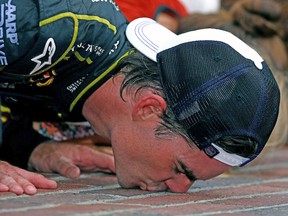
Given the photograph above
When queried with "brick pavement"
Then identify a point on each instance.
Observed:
(258, 189)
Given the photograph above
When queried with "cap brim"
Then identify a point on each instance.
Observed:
(228, 158)
(150, 38)
(147, 36)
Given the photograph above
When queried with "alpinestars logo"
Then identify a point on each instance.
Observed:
(46, 57)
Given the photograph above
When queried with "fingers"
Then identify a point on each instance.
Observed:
(9, 184)
(70, 158)
(37, 180)
(95, 159)
(84, 158)
(54, 157)
(71, 172)
(17, 185)
(19, 181)
(3, 188)
(65, 167)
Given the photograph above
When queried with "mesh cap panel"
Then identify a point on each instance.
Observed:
(218, 92)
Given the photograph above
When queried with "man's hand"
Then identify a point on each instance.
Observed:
(19, 181)
(69, 158)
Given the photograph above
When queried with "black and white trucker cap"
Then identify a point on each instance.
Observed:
(215, 84)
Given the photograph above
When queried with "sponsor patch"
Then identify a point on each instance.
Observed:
(46, 57)
(8, 28)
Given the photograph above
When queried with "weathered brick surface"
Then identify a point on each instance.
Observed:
(258, 189)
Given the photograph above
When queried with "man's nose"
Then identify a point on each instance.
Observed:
(179, 183)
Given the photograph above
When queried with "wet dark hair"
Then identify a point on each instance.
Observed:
(142, 73)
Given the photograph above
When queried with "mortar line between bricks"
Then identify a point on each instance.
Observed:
(61, 192)
(186, 203)
(239, 210)
(265, 181)
(193, 190)
(28, 208)
(45, 206)
(121, 211)
(82, 176)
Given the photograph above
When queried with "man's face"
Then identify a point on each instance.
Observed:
(154, 164)
(141, 159)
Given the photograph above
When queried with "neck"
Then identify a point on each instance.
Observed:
(103, 107)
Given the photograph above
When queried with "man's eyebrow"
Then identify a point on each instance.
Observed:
(189, 173)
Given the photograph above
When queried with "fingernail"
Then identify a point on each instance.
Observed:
(53, 184)
(72, 172)
(30, 189)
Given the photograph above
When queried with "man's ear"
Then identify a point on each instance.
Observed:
(148, 107)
